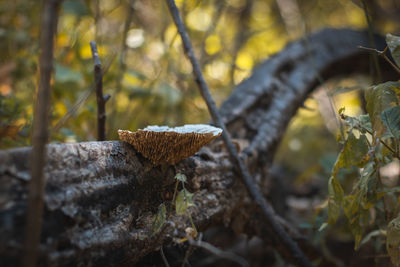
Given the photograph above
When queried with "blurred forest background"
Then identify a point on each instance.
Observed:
(147, 76)
(150, 80)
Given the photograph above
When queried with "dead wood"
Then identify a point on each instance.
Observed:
(101, 196)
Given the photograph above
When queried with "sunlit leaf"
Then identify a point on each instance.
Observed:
(159, 219)
(391, 119)
(393, 43)
(183, 201)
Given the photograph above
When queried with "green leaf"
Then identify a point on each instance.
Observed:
(379, 98)
(357, 217)
(352, 122)
(357, 226)
(354, 153)
(159, 219)
(183, 201)
(368, 185)
(365, 122)
(335, 199)
(393, 43)
(356, 206)
(391, 118)
(180, 177)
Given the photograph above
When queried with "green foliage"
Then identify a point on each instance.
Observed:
(159, 219)
(371, 143)
(391, 118)
(379, 98)
(183, 202)
(184, 198)
(146, 74)
(335, 201)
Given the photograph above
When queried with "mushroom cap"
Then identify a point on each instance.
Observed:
(162, 144)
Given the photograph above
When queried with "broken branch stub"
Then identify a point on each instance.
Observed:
(162, 144)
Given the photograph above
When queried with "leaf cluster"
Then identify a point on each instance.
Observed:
(182, 201)
(372, 145)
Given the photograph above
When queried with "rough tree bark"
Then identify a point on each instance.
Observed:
(101, 196)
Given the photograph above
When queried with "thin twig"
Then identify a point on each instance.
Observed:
(382, 54)
(187, 255)
(81, 100)
(218, 252)
(267, 210)
(163, 257)
(33, 225)
(101, 101)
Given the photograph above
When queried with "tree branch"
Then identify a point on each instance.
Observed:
(101, 100)
(33, 224)
(247, 180)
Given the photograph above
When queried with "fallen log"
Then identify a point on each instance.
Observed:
(101, 196)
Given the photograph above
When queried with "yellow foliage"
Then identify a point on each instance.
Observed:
(122, 102)
(130, 79)
(217, 70)
(170, 33)
(244, 60)
(62, 40)
(213, 44)
(86, 51)
(60, 109)
(199, 19)
(351, 101)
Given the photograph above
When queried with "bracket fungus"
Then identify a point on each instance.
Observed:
(162, 144)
